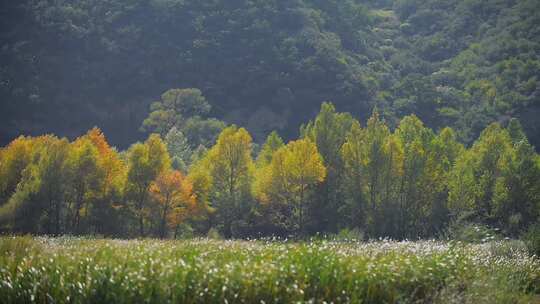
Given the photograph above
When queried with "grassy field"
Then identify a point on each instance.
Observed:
(69, 270)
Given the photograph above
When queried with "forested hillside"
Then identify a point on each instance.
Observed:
(66, 66)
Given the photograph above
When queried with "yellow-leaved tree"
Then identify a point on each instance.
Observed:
(224, 175)
(145, 162)
(13, 160)
(85, 176)
(287, 180)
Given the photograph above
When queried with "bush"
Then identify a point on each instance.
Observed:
(507, 248)
(184, 231)
(471, 232)
(532, 239)
(350, 235)
(213, 234)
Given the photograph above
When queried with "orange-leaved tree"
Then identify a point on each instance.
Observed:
(173, 192)
(104, 218)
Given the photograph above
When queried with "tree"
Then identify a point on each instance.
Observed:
(104, 216)
(186, 110)
(293, 171)
(413, 202)
(175, 106)
(272, 144)
(230, 169)
(517, 193)
(145, 162)
(201, 131)
(201, 180)
(392, 173)
(13, 161)
(373, 160)
(85, 178)
(497, 180)
(179, 149)
(174, 194)
(478, 171)
(38, 203)
(328, 132)
(352, 153)
(441, 159)
(266, 216)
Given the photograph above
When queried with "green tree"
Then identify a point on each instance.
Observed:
(187, 110)
(478, 171)
(272, 144)
(328, 132)
(517, 192)
(441, 158)
(414, 205)
(353, 154)
(373, 160)
(174, 107)
(179, 149)
(388, 216)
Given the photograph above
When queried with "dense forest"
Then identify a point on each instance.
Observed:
(270, 151)
(66, 66)
(339, 175)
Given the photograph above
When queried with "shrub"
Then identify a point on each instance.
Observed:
(349, 235)
(213, 234)
(471, 232)
(532, 239)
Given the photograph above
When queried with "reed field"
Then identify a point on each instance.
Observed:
(78, 270)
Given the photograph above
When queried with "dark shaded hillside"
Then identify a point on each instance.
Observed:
(66, 66)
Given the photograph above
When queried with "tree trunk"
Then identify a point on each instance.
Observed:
(163, 223)
(141, 226)
(301, 213)
(176, 231)
(57, 218)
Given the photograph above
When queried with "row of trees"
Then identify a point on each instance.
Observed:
(406, 183)
(49, 185)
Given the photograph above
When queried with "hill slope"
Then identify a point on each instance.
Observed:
(66, 66)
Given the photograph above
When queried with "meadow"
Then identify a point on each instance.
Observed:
(82, 270)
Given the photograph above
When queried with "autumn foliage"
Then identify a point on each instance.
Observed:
(174, 194)
(409, 182)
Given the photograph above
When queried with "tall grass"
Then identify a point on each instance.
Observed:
(66, 270)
